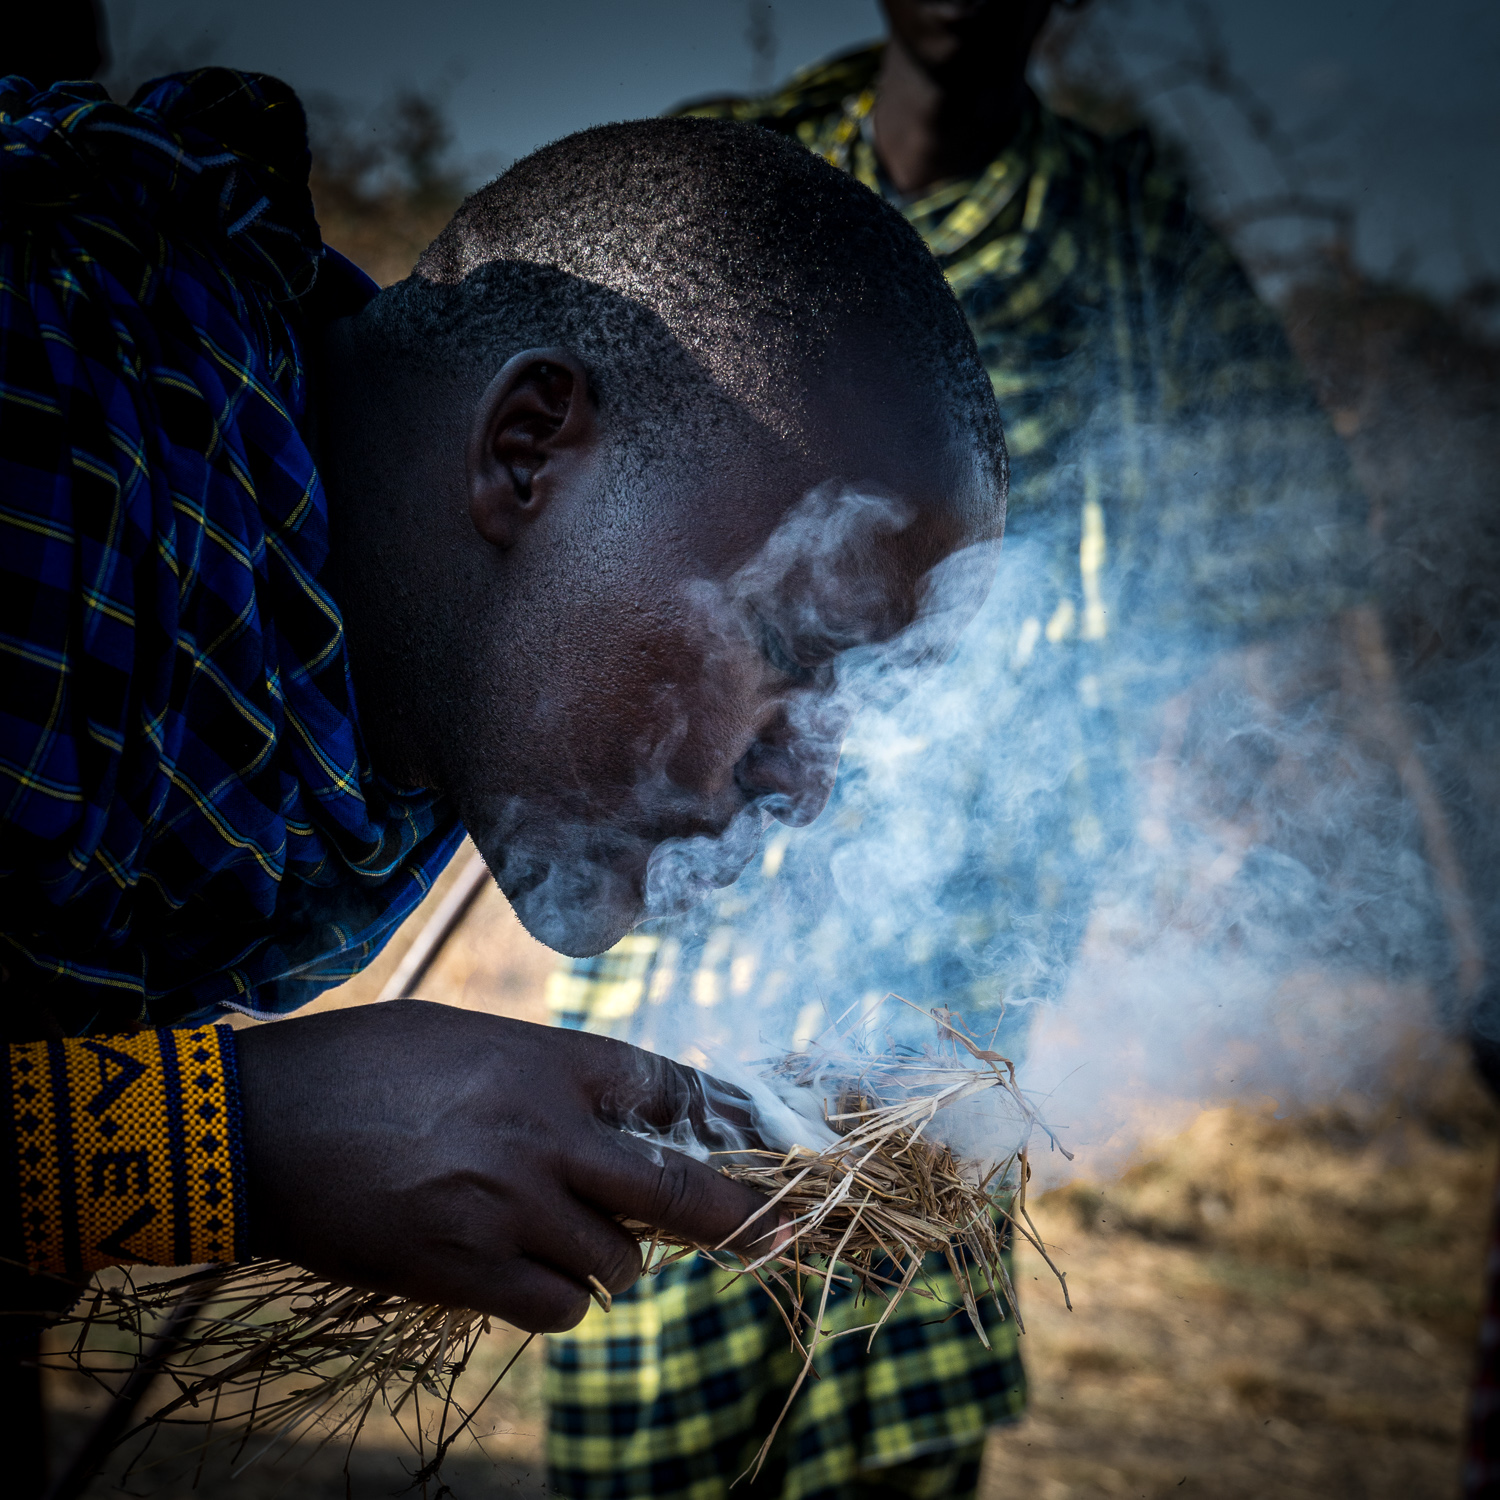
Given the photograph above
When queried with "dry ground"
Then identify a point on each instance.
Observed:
(1266, 1308)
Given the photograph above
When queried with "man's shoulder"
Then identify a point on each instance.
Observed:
(808, 95)
(1135, 181)
(215, 157)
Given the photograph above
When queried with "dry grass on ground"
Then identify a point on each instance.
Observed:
(1278, 1309)
(1267, 1308)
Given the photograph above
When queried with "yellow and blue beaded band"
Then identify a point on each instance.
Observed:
(128, 1150)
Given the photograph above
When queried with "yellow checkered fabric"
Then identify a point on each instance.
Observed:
(673, 1390)
(608, 988)
(127, 1150)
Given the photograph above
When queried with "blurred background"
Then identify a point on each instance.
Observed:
(1366, 124)
(1267, 1305)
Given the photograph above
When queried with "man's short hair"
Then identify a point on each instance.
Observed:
(720, 261)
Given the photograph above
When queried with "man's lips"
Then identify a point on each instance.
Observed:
(734, 866)
(681, 825)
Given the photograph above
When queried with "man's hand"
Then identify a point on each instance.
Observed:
(470, 1160)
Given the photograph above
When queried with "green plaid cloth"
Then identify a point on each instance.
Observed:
(1175, 491)
(672, 1392)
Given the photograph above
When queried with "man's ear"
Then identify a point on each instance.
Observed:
(534, 426)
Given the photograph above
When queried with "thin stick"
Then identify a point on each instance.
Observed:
(428, 944)
(430, 1470)
(107, 1431)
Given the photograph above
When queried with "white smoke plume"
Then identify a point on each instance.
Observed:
(999, 844)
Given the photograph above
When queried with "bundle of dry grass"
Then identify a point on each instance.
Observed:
(869, 1208)
(278, 1354)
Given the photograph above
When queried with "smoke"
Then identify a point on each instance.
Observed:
(742, 726)
(807, 579)
(1162, 865)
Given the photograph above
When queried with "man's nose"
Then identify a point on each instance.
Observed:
(790, 774)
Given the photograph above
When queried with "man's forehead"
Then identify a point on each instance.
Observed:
(888, 424)
(876, 481)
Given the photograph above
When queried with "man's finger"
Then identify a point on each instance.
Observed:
(673, 1193)
(572, 1237)
(533, 1297)
(642, 1090)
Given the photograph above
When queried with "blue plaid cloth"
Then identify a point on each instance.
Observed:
(190, 820)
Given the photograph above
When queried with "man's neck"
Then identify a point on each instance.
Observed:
(373, 573)
(931, 128)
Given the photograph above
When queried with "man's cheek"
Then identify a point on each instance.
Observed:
(722, 717)
(689, 731)
(714, 741)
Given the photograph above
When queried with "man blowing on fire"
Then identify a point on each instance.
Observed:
(1182, 578)
(304, 579)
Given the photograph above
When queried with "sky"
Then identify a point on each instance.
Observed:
(1403, 91)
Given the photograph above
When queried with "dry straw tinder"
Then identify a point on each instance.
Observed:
(276, 1354)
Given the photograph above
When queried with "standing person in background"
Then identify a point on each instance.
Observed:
(1180, 509)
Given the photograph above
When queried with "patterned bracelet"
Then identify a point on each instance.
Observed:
(128, 1150)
